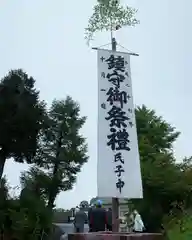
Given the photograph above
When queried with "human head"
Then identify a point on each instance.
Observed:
(82, 206)
(135, 212)
(98, 203)
(110, 209)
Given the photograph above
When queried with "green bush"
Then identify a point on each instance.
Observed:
(24, 218)
(181, 229)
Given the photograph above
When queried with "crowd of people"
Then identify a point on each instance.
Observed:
(100, 219)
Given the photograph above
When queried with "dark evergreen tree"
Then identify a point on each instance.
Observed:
(62, 151)
(22, 116)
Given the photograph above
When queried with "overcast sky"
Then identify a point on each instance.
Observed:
(46, 39)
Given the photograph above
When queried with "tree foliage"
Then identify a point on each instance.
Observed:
(36, 179)
(62, 151)
(109, 15)
(25, 219)
(48, 139)
(154, 132)
(21, 219)
(22, 116)
(164, 181)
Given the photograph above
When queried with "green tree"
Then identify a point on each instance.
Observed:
(154, 133)
(22, 116)
(26, 217)
(109, 15)
(162, 178)
(35, 179)
(186, 170)
(4, 196)
(62, 151)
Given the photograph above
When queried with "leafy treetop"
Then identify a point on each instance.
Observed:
(22, 116)
(109, 15)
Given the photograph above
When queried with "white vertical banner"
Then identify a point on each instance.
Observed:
(118, 169)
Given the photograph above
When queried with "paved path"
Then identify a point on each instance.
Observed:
(69, 227)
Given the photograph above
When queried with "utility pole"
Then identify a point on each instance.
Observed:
(115, 201)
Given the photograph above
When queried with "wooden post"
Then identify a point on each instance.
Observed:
(115, 214)
(115, 201)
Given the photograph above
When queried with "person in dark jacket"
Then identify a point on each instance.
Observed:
(89, 217)
(109, 219)
(98, 218)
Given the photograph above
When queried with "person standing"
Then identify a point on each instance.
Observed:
(129, 218)
(98, 218)
(80, 220)
(109, 219)
(138, 223)
(89, 217)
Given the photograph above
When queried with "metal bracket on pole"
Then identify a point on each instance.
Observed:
(114, 44)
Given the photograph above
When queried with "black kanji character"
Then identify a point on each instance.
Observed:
(103, 105)
(120, 184)
(119, 158)
(103, 75)
(131, 124)
(119, 138)
(127, 74)
(102, 59)
(117, 96)
(117, 117)
(119, 170)
(115, 78)
(116, 63)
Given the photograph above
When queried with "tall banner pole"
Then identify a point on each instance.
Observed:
(115, 201)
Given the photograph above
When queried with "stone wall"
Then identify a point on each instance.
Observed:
(115, 236)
